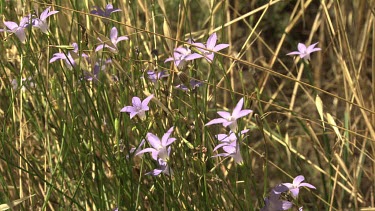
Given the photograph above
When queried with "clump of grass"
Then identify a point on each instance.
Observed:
(66, 145)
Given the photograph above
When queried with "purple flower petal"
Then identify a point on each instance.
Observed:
(216, 121)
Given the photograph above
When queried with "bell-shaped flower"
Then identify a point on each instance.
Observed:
(41, 22)
(139, 107)
(181, 56)
(297, 183)
(304, 52)
(18, 30)
(106, 12)
(111, 44)
(159, 147)
(230, 119)
(210, 47)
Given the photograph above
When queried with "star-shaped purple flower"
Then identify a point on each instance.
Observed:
(41, 22)
(181, 56)
(68, 58)
(211, 47)
(107, 11)
(138, 107)
(273, 202)
(230, 145)
(297, 183)
(159, 148)
(18, 30)
(304, 52)
(114, 39)
(229, 119)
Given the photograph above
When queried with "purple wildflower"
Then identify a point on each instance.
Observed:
(193, 85)
(162, 168)
(304, 52)
(230, 145)
(159, 148)
(107, 11)
(273, 202)
(68, 59)
(41, 22)
(155, 76)
(211, 47)
(138, 107)
(181, 55)
(297, 183)
(18, 30)
(112, 46)
(231, 119)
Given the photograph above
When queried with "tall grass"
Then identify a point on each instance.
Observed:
(65, 145)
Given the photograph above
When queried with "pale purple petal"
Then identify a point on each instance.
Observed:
(154, 141)
(57, 56)
(11, 25)
(224, 114)
(211, 41)
(294, 53)
(294, 192)
(20, 33)
(193, 56)
(216, 121)
(220, 47)
(304, 184)
(243, 113)
(147, 100)
(220, 146)
(128, 109)
(121, 39)
(146, 150)
(301, 47)
(238, 108)
(136, 101)
(298, 180)
(113, 34)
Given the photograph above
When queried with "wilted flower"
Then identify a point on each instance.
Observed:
(210, 45)
(273, 202)
(107, 11)
(297, 183)
(181, 55)
(68, 59)
(41, 22)
(159, 148)
(138, 107)
(229, 119)
(230, 145)
(304, 52)
(112, 46)
(18, 30)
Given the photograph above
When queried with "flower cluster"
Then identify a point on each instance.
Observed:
(229, 142)
(37, 22)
